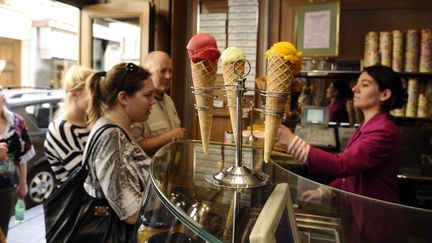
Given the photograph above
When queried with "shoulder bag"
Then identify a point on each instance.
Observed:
(71, 215)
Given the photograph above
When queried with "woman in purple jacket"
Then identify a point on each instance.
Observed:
(370, 162)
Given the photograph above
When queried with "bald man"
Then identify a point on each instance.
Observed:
(163, 124)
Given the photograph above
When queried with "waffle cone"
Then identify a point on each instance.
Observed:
(230, 75)
(280, 75)
(204, 76)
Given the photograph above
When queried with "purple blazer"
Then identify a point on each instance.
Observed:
(370, 162)
(368, 166)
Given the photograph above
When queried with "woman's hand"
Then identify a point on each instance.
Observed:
(132, 219)
(311, 196)
(3, 151)
(284, 135)
(22, 190)
(317, 195)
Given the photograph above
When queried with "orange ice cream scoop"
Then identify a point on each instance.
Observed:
(203, 47)
(288, 52)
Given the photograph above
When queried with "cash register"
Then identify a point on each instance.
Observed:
(315, 129)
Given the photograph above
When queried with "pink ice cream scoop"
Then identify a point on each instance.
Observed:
(203, 47)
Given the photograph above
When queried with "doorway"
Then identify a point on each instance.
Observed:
(114, 32)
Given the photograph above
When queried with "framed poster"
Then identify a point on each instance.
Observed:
(317, 29)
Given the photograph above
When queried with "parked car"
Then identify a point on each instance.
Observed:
(13, 92)
(37, 108)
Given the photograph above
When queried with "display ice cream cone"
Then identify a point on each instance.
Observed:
(231, 71)
(203, 77)
(280, 75)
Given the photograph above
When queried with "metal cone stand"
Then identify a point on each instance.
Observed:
(251, 137)
(238, 175)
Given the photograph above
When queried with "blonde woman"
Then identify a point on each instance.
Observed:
(15, 150)
(67, 134)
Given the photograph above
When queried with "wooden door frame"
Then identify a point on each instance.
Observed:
(140, 9)
(10, 51)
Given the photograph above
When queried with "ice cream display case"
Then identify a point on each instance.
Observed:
(180, 203)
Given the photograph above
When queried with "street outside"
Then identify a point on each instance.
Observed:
(32, 230)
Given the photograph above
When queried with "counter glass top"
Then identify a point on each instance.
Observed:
(213, 213)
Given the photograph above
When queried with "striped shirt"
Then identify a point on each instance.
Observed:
(64, 145)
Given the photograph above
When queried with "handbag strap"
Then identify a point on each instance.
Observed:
(94, 138)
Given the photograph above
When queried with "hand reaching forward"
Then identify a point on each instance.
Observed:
(311, 196)
(284, 135)
(316, 196)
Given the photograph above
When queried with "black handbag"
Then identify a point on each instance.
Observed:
(71, 215)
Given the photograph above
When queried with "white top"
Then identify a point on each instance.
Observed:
(119, 170)
(64, 145)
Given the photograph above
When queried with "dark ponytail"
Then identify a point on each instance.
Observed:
(104, 87)
(94, 110)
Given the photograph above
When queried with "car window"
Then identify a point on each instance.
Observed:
(42, 113)
(30, 109)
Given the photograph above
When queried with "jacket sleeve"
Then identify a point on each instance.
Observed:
(368, 151)
(336, 183)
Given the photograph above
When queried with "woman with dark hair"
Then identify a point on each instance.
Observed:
(338, 92)
(373, 149)
(370, 162)
(118, 168)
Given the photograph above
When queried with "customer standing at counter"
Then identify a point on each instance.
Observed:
(370, 162)
(118, 168)
(67, 134)
(163, 124)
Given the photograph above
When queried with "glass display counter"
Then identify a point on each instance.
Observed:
(180, 203)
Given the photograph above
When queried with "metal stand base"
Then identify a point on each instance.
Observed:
(237, 177)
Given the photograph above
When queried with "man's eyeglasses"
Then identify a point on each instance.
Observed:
(129, 68)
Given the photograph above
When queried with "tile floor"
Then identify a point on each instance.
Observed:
(32, 230)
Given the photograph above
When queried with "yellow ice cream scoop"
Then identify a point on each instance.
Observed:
(232, 54)
(288, 52)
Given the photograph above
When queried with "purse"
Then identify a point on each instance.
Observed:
(71, 215)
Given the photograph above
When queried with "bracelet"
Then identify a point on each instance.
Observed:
(299, 149)
(291, 145)
(323, 193)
